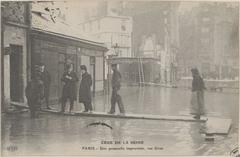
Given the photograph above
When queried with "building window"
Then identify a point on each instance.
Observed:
(83, 27)
(90, 26)
(123, 27)
(165, 20)
(92, 60)
(205, 9)
(205, 30)
(205, 41)
(99, 26)
(206, 19)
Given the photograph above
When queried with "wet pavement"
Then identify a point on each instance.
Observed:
(51, 134)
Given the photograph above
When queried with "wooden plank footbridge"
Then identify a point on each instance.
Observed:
(214, 125)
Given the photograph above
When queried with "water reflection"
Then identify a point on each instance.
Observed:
(118, 129)
(50, 133)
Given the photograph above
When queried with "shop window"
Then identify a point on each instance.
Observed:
(92, 60)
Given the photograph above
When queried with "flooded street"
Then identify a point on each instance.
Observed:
(52, 134)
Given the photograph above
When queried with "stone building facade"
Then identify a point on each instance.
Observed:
(15, 35)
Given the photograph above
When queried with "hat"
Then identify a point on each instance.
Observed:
(194, 71)
(83, 67)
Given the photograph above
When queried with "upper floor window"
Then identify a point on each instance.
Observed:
(205, 30)
(206, 19)
(83, 27)
(205, 41)
(99, 25)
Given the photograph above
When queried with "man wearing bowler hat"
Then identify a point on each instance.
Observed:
(85, 89)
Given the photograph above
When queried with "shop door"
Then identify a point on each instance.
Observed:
(16, 79)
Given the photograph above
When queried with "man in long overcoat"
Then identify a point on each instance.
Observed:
(69, 88)
(85, 89)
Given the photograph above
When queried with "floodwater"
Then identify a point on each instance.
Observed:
(51, 134)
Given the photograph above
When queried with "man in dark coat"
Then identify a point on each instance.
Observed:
(197, 100)
(69, 88)
(85, 89)
(116, 84)
(35, 93)
(46, 78)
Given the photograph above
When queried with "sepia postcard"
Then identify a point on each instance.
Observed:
(119, 78)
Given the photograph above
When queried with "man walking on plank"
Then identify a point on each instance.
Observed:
(116, 98)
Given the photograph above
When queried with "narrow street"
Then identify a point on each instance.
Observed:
(49, 134)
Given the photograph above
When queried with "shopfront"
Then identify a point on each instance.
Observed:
(55, 51)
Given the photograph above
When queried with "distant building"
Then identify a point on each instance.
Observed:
(152, 28)
(106, 25)
(114, 31)
(209, 35)
(156, 34)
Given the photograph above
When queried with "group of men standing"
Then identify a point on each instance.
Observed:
(37, 90)
(70, 79)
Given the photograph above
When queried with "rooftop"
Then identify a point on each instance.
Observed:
(43, 22)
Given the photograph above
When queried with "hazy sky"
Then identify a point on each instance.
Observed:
(187, 6)
(76, 9)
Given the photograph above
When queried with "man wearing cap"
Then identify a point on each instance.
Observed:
(85, 89)
(116, 84)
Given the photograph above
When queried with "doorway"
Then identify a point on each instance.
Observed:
(16, 70)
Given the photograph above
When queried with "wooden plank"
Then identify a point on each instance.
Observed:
(126, 116)
(210, 114)
(219, 126)
(131, 116)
